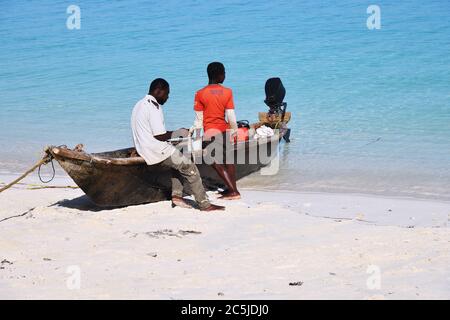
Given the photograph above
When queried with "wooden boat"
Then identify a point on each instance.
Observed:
(122, 178)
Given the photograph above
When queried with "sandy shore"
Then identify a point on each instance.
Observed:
(54, 243)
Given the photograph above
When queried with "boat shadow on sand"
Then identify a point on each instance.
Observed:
(83, 203)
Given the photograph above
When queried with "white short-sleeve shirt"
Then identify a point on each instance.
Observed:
(147, 121)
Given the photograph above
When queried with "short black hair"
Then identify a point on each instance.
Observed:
(158, 84)
(215, 69)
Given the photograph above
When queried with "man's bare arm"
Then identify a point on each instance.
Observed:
(165, 136)
(180, 133)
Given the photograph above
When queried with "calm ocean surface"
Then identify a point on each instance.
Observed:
(371, 108)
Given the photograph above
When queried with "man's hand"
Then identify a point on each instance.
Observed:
(233, 135)
(164, 137)
(182, 132)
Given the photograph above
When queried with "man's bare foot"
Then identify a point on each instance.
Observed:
(180, 202)
(213, 207)
(230, 196)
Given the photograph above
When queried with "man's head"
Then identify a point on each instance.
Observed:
(216, 72)
(159, 88)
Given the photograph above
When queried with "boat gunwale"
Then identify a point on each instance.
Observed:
(64, 152)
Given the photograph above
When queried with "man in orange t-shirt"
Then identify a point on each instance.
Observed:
(212, 104)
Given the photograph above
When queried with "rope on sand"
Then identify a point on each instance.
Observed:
(33, 186)
(38, 187)
(19, 215)
(46, 159)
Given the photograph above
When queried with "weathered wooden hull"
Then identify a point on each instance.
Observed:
(115, 179)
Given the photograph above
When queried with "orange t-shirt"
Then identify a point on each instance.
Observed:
(213, 100)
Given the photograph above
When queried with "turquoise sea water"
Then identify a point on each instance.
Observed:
(371, 108)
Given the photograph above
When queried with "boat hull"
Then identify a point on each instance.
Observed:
(115, 179)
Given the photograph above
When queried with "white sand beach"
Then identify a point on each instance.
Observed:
(55, 244)
(349, 101)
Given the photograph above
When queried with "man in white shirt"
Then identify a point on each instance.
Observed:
(150, 139)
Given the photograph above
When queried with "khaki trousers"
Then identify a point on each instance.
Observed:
(183, 169)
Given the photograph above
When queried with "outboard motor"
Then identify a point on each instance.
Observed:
(275, 93)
